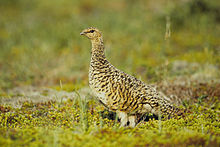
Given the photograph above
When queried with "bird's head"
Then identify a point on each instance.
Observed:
(91, 33)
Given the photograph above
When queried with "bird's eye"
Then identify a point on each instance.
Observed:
(92, 31)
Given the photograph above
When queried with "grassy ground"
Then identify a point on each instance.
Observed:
(78, 120)
(44, 99)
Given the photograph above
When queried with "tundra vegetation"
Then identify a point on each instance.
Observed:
(44, 94)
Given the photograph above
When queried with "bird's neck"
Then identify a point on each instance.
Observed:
(98, 48)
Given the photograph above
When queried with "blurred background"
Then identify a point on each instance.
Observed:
(153, 40)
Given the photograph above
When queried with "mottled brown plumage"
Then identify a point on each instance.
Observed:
(120, 92)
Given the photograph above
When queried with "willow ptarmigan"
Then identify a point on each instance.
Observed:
(120, 92)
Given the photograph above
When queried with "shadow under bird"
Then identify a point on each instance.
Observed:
(121, 92)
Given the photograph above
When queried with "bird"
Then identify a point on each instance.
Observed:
(120, 92)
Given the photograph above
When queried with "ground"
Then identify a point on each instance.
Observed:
(44, 95)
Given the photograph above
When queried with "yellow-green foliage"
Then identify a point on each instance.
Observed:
(78, 122)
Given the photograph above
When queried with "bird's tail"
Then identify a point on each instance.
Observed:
(167, 109)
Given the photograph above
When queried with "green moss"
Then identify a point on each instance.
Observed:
(80, 123)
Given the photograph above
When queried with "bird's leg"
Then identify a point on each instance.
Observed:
(123, 118)
(132, 121)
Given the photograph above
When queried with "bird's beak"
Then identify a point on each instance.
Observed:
(82, 33)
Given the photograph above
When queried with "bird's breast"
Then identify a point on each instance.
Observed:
(101, 95)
